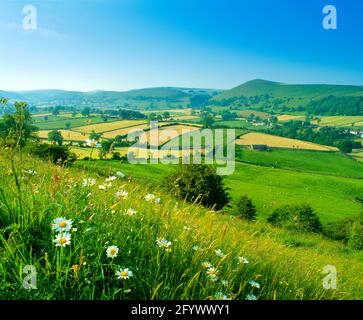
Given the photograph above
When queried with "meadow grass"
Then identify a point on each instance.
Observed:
(285, 265)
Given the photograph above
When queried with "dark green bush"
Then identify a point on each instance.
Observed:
(54, 153)
(245, 208)
(297, 217)
(198, 183)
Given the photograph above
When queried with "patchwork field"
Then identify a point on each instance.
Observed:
(124, 131)
(358, 156)
(67, 135)
(280, 142)
(340, 121)
(288, 117)
(109, 126)
(168, 133)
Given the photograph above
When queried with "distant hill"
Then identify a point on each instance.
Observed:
(279, 90)
(139, 98)
(280, 97)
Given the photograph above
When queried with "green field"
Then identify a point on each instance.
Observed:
(59, 122)
(329, 182)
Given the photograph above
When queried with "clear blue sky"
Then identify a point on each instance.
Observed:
(125, 44)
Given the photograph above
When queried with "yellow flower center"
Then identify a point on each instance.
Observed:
(63, 240)
(113, 252)
(62, 224)
(124, 274)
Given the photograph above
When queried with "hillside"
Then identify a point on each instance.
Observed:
(285, 265)
(279, 90)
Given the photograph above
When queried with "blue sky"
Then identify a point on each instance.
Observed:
(125, 44)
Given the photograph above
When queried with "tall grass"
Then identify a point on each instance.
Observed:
(82, 269)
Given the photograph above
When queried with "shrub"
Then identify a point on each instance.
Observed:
(245, 208)
(198, 183)
(298, 217)
(55, 153)
(355, 236)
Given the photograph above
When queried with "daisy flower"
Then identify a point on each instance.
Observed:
(213, 274)
(219, 253)
(102, 187)
(131, 212)
(163, 243)
(110, 179)
(124, 274)
(92, 143)
(206, 265)
(243, 260)
(112, 252)
(122, 195)
(251, 297)
(89, 182)
(254, 284)
(221, 296)
(62, 224)
(62, 239)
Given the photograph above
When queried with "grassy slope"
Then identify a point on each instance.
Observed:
(288, 265)
(328, 181)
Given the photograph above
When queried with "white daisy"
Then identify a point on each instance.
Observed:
(122, 194)
(110, 179)
(206, 265)
(62, 239)
(243, 260)
(112, 252)
(219, 253)
(150, 197)
(102, 187)
(124, 274)
(164, 244)
(131, 212)
(213, 274)
(92, 143)
(221, 296)
(89, 182)
(62, 224)
(254, 284)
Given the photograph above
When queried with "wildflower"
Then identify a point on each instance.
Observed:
(30, 172)
(150, 197)
(213, 274)
(112, 252)
(243, 260)
(89, 182)
(110, 179)
(251, 297)
(74, 229)
(122, 195)
(186, 228)
(219, 253)
(131, 212)
(221, 296)
(206, 265)
(124, 274)
(254, 284)
(164, 244)
(225, 283)
(102, 187)
(92, 143)
(62, 239)
(62, 224)
(195, 248)
(120, 174)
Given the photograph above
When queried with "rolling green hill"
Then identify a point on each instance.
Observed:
(280, 90)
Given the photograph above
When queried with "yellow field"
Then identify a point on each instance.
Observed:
(166, 134)
(340, 121)
(171, 111)
(66, 134)
(186, 117)
(358, 156)
(280, 142)
(288, 117)
(124, 131)
(109, 126)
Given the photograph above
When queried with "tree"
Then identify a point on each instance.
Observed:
(106, 147)
(95, 136)
(55, 136)
(245, 208)
(86, 112)
(166, 115)
(207, 120)
(345, 146)
(68, 125)
(198, 183)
